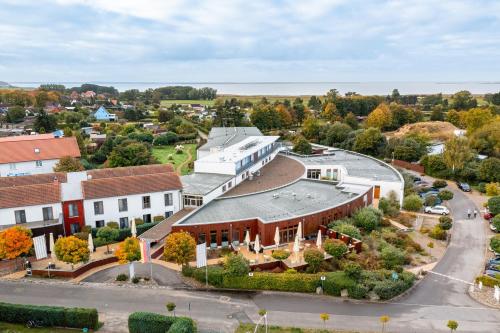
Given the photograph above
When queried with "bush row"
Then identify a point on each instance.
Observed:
(147, 322)
(488, 281)
(127, 232)
(49, 316)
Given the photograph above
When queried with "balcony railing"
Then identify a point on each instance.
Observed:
(276, 146)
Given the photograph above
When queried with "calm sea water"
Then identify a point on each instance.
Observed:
(304, 88)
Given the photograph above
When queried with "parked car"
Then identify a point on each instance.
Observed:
(491, 273)
(442, 210)
(495, 261)
(493, 228)
(495, 253)
(493, 268)
(417, 179)
(426, 194)
(421, 183)
(463, 186)
(488, 216)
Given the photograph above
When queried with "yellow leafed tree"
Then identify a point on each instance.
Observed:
(180, 248)
(380, 118)
(72, 250)
(128, 250)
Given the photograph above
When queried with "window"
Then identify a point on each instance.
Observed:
(38, 164)
(123, 222)
(20, 216)
(168, 199)
(99, 223)
(225, 237)
(146, 202)
(230, 184)
(224, 188)
(202, 238)
(169, 213)
(213, 238)
(122, 205)
(192, 200)
(73, 210)
(146, 218)
(12, 166)
(313, 173)
(74, 228)
(47, 213)
(98, 208)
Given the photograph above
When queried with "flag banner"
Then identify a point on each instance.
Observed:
(145, 251)
(201, 255)
(40, 247)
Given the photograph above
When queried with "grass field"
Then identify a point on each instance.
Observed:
(17, 328)
(178, 160)
(168, 102)
(244, 328)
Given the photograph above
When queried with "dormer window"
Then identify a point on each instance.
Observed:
(37, 150)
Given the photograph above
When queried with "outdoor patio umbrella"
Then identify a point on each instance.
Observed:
(256, 245)
(247, 239)
(51, 246)
(296, 247)
(133, 229)
(319, 241)
(299, 231)
(90, 243)
(277, 237)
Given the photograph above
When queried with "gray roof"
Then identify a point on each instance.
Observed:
(203, 183)
(310, 196)
(357, 165)
(227, 136)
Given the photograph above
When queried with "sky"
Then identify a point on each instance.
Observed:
(249, 40)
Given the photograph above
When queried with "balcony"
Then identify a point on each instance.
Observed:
(275, 147)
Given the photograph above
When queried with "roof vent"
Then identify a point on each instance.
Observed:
(276, 196)
(37, 150)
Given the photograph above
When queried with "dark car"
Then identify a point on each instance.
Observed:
(493, 267)
(491, 273)
(463, 186)
(494, 261)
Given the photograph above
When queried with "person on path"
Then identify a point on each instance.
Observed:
(475, 212)
(468, 213)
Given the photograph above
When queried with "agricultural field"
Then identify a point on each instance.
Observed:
(167, 154)
(168, 102)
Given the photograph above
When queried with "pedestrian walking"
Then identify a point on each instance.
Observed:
(468, 213)
(475, 212)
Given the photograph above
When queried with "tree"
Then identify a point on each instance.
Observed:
(370, 141)
(45, 121)
(495, 243)
(476, 118)
(392, 257)
(489, 169)
(348, 229)
(68, 164)
(380, 118)
(412, 203)
(463, 100)
(457, 153)
(128, 250)
(302, 146)
(384, 320)
(15, 114)
(164, 116)
(314, 103)
(165, 139)
(313, 258)
(236, 265)
(351, 120)
(107, 234)
(335, 247)
(494, 205)
(285, 118)
(452, 325)
(337, 133)
(299, 109)
(410, 148)
(180, 248)
(368, 218)
(486, 139)
(437, 113)
(130, 153)
(324, 317)
(15, 242)
(72, 250)
(171, 307)
(330, 112)
(453, 116)
(492, 189)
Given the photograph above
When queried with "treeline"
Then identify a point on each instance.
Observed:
(83, 88)
(154, 96)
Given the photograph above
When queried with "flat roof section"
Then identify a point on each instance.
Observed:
(227, 136)
(279, 172)
(357, 165)
(300, 198)
(200, 183)
(238, 151)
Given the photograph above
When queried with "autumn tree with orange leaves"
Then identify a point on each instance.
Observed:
(128, 250)
(15, 242)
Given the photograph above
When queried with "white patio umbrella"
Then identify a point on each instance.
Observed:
(51, 246)
(247, 239)
(90, 244)
(296, 247)
(256, 245)
(133, 229)
(319, 241)
(277, 237)
(299, 231)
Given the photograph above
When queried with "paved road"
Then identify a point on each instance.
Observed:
(435, 300)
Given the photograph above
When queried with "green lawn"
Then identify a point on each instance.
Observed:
(162, 154)
(17, 328)
(244, 328)
(168, 102)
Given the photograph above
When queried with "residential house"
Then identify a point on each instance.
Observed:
(102, 114)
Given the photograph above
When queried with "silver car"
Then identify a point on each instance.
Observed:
(441, 210)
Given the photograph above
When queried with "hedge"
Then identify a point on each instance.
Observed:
(49, 316)
(126, 232)
(304, 283)
(147, 322)
(488, 281)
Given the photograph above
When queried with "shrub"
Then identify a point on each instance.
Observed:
(135, 280)
(389, 206)
(431, 200)
(182, 325)
(392, 257)
(299, 282)
(82, 235)
(280, 254)
(158, 218)
(139, 221)
(215, 274)
(348, 229)
(290, 271)
(335, 247)
(492, 189)
(87, 229)
(481, 187)
(388, 289)
(439, 183)
(495, 243)
(430, 245)
(122, 277)
(71, 250)
(445, 222)
(236, 265)
(336, 281)
(412, 203)
(445, 195)
(437, 233)
(494, 205)
(353, 270)
(180, 248)
(313, 257)
(49, 315)
(496, 222)
(488, 281)
(145, 322)
(165, 139)
(99, 242)
(113, 224)
(368, 218)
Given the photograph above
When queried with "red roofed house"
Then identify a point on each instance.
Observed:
(34, 154)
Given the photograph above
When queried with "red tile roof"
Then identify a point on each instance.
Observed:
(138, 184)
(30, 195)
(36, 147)
(130, 171)
(45, 178)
